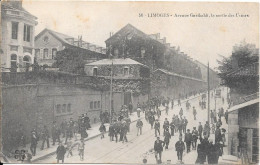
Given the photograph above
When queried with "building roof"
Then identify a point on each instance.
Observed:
(64, 38)
(133, 31)
(117, 61)
(249, 70)
(239, 106)
(129, 29)
(177, 75)
(10, 5)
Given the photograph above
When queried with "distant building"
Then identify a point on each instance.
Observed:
(131, 79)
(214, 79)
(151, 50)
(175, 86)
(163, 60)
(17, 44)
(122, 68)
(48, 42)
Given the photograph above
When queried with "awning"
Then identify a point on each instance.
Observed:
(236, 107)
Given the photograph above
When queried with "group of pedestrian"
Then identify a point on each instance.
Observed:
(118, 129)
(104, 116)
(61, 150)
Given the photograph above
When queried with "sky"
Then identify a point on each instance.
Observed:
(201, 38)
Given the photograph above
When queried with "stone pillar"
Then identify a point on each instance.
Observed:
(233, 129)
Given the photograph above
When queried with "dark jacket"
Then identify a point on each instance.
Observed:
(172, 125)
(139, 123)
(34, 140)
(167, 137)
(188, 137)
(218, 136)
(158, 146)
(102, 128)
(166, 124)
(157, 125)
(201, 155)
(45, 133)
(179, 146)
(200, 128)
(111, 130)
(60, 152)
(195, 135)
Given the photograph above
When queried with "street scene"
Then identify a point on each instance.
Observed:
(89, 87)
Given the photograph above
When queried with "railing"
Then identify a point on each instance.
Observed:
(247, 98)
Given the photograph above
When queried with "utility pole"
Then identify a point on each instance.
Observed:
(208, 94)
(111, 90)
(111, 85)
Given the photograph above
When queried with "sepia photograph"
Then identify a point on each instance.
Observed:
(129, 82)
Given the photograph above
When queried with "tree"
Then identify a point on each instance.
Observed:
(243, 55)
(224, 64)
(70, 60)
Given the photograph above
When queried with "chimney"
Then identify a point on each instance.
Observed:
(173, 47)
(158, 36)
(164, 40)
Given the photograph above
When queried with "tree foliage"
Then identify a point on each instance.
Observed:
(70, 60)
(243, 54)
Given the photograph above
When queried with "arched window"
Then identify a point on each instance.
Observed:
(95, 71)
(54, 52)
(13, 63)
(45, 53)
(126, 71)
(27, 62)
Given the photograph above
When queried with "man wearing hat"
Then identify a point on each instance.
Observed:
(195, 135)
(34, 140)
(166, 125)
(158, 148)
(61, 150)
(172, 126)
(157, 127)
(218, 136)
(45, 137)
(139, 125)
(179, 147)
(167, 138)
(188, 140)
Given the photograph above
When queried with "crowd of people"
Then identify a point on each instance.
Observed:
(207, 151)
(119, 127)
(62, 133)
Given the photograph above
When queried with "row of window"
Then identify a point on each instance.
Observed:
(142, 51)
(125, 71)
(26, 31)
(95, 105)
(63, 108)
(46, 53)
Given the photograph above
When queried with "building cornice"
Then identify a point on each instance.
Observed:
(20, 15)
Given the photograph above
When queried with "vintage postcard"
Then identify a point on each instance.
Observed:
(129, 82)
